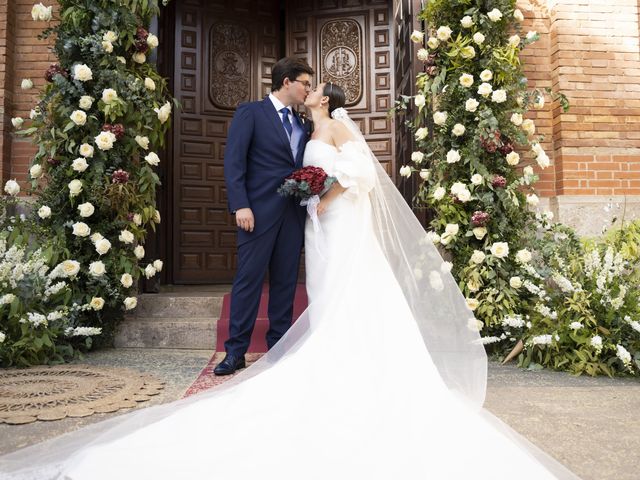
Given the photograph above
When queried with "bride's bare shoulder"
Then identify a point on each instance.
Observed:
(340, 134)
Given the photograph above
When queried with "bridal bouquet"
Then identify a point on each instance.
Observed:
(306, 183)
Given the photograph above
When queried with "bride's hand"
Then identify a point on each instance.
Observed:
(322, 206)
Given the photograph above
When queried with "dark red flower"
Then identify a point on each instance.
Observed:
(499, 181)
(432, 71)
(140, 43)
(117, 129)
(480, 218)
(53, 162)
(120, 176)
(53, 70)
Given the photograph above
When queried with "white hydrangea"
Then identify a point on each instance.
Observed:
(514, 321)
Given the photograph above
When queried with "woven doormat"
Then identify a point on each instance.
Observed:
(207, 379)
(53, 393)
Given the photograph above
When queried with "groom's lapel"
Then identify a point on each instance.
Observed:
(274, 117)
(303, 138)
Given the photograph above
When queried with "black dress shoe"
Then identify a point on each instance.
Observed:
(229, 364)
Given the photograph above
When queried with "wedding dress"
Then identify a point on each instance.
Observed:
(382, 377)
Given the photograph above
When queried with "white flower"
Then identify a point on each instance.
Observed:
(96, 303)
(126, 236)
(143, 142)
(514, 40)
(152, 159)
(102, 245)
(110, 36)
(527, 171)
(445, 267)
(44, 212)
(500, 249)
(499, 96)
(539, 103)
(86, 150)
(139, 57)
(528, 126)
(513, 158)
(542, 340)
(473, 303)
(130, 303)
(531, 35)
(443, 33)
(152, 41)
(485, 89)
(476, 179)
(452, 229)
(139, 252)
(85, 102)
(419, 100)
(486, 75)
(466, 21)
(494, 15)
(82, 73)
(35, 171)
(517, 14)
(434, 238)
(515, 282)
(163, 112)
(126, 280)
(405, 171)
(439, 193)
(12, 188)
(417, 36)
(97, 269)
(433, 42)
(149, 84)
(516, 119)
(417, 157)
(478, 38)
(596, 342)
(17, 122)
(81, 229)
(467, 52)
(543, 160)
(425, 174)
(458, 129)
(457, 187)
(464, 195)
(105, 140)
(41, 13)
(471, 105)
(453, 156)
(34, 113)
(75, 187)
(440, 118)
(474, 324)
(7, 299)
(109, 95)
(69, 268)
(26, 84)
(466, 80)
(479, 232)
(532, 199)
(623, 354)
(137, 219)
(423, 54)
(121, 60)
(523, 256)
(478, 257)
(107, 46)
(575, 325)
(80, 164)
(86, 209)
(149, 271)
(157, 264)
(435, 280)
(2, 337)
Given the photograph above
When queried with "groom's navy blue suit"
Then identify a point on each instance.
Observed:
(258, 157)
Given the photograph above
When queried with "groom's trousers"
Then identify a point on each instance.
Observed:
(278, 252)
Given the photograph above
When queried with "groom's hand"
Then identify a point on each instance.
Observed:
(244, 219)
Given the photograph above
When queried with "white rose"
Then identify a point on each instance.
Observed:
(17, 122)
(473, 303)
(139, 252)
(85, 102)
(471, 105)
(537, 149)
(142, 141)
(479, 232)
(486, 75)
(457, 187)
(102, 246)
(96, 237)
(44, 212)
(478, 257)
(163, 112)
(425, 174)
(80, 164)
(543, 160)
(440, 118)
(528, 126)
(130, 303)
(417, 157)
(109, 95)
(453, 156)
(467, 52)
(152, 159)
(485, 89)
(523, 256)
(458, 129)
(423, 54)
(532, 199)
(26, 84)
(419, 101)
(527, 171)
(156, 216)
(539, 103)
(422, 133)
(433, 42)
(500, 249)
(81, 229)
(439, 193)
(443, 33)
(476, 179)
(35, 171)
(126, 236)
(121, 60)
(107, 46)
(105, 140)
(110, 36)
(34, 113)
(139, 57)
(452, 229)
(499, 96)
(97, 269)
(514, 40)
(152, 41)
(12, 188)
(86, 150)
(157, 264)
(2, 337)
(405, 171)
(466, 21)
(516, 119)
(75, 187)
(137, 219)
(513, 158)
(149, 84)
(70, 268)
(464, 195)
(97, 303)
(478, 38)
(531, 35)
(41, 13)
(82, 73)
(417, 36)
(86, 209)
(466, 80)
(149, 271)
(126, 280)
(515, 282)
(494, 15)
(517, 14)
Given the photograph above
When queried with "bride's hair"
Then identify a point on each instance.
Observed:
(337, 98)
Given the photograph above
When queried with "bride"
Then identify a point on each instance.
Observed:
(383, 376)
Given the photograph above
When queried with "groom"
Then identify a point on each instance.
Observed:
(265, 144)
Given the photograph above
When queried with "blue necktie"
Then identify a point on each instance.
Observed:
(285, 121)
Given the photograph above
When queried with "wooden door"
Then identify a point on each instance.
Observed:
(224, 54)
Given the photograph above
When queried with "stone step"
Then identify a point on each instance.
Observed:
(169, 305)
(155, 332)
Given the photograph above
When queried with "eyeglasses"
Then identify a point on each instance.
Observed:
(306, 84)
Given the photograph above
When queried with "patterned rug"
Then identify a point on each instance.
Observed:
(207, 379)
(53, 393)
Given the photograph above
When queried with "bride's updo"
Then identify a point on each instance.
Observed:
(337, 98)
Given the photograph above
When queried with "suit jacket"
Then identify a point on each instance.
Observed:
(257, 159)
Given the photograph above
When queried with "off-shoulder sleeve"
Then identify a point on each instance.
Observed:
(354, 169)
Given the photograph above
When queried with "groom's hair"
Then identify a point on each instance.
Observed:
(337, 97)
(288, 67)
